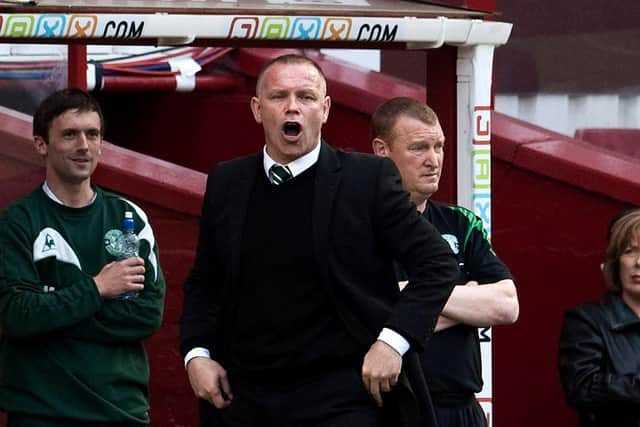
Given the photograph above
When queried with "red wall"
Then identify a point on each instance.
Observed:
(552, 200)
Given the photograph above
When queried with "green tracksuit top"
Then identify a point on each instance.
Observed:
(66, 354)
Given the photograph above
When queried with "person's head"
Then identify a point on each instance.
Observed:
(59, 102)
(291, 103)
(67, 132)
(409, 133)
(621, 265)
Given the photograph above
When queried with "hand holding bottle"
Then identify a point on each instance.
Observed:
(120, 278)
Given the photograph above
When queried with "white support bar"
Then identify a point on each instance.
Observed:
(175, 29)
(474, 70)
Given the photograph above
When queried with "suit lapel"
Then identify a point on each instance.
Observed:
(239, 193)
(328, 176)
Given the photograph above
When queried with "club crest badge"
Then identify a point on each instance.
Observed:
(112, 242)
(453, 242)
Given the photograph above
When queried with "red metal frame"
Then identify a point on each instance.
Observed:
(483, 5)
(143, 84)
(77, 65)
(441, 94)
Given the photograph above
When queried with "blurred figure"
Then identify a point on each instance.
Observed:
(599, 356)
(71, 350)
(409, 133)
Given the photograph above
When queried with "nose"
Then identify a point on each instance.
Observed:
(292, 103)
(430, 157)
(82, 141)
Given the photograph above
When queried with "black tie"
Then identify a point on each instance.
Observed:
(279, 174)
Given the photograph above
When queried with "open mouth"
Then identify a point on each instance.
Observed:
(292, 128)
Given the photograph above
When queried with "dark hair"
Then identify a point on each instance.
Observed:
(621, 229)
(384, 118)
(59, 102)
(290, 58)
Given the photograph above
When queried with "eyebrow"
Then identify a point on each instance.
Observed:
(79, 129)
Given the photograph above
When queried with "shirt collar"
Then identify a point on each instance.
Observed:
(618, 313)
(52, 196)
(297, 166)
(50, 193)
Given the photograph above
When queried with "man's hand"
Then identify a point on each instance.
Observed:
(209, 381)
(119, 277)
(380, 370)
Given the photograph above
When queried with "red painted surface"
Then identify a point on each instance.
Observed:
(140, 84)
(569, 46)
(442, 93)
(552, 200)
(484, 5)
(623, 141)
(566, 159)
(77, 65)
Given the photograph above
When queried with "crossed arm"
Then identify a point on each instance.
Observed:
(479, 305)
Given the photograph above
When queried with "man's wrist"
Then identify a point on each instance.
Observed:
(395, 340)
(196, 352)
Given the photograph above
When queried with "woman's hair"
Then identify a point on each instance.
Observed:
(621, 229)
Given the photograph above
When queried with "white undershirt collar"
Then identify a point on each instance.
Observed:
(52, 196)
(297, 166)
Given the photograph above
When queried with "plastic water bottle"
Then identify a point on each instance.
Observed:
(129, 245)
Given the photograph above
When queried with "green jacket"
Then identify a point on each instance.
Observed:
(65, 352)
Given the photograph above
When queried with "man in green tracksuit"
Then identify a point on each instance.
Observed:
(71, 349)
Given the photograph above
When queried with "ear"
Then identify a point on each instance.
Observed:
(379, 147)
(40, 145)
(255, 109)
(326, 106)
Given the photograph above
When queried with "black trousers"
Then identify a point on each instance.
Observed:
(331, 398)
(465, 412)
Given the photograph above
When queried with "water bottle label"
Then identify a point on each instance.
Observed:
(113, 242)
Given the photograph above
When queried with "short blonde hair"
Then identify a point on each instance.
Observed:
(287, 59)
(385, 117)
(621, 230)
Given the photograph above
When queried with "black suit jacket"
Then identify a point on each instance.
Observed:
(362, 220)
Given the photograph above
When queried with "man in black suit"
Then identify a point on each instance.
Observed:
(292, 315)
